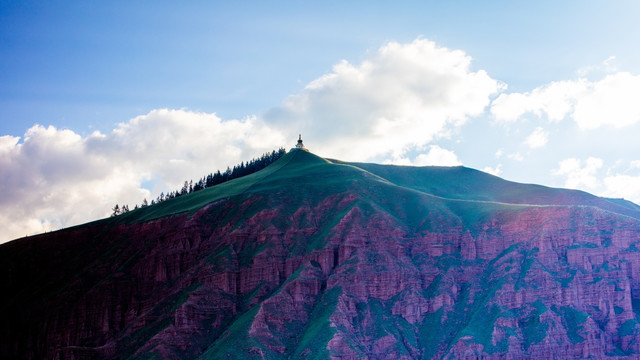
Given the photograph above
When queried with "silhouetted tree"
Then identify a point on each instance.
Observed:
(213, 179)
(185, 188)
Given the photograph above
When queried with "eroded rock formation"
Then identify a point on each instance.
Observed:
(319, 259)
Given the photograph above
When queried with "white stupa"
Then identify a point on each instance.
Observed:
(299, 145)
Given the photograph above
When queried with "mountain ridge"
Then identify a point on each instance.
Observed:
(219, 190)
(317, 258)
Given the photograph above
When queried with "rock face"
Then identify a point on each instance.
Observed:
(315, 259)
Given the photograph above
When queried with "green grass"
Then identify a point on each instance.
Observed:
(580, 245)
(635, 305)
(481, 326)
(471, 195)
(318, 240)
(628, 328)
(235, 343)
(573, 321)
(183, 296)
(528, 261)
(318, 333)
(163, 312)
(433, 289)
(431, 333)
(468, 184)
(192, 202)
(143, 335)
(533, 330)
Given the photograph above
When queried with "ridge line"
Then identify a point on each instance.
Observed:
(267, 175)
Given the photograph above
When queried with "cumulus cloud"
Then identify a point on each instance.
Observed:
(497, 171)
(624, 182)
(56, 178)
(437, 156)
(616, 181)
(401, 98)
(554, 100)
(538, 138)
(623, 186)
(611, 101)
(579, 176)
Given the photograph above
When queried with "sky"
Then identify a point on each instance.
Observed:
(105, 103)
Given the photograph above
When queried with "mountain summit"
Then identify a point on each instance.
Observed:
(312, 258)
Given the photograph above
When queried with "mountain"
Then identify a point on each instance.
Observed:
(312, 258)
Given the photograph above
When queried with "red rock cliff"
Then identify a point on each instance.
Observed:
(326, 260)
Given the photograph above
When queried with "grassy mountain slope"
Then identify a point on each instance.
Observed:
(468, 184)
(315, 258)
(304, 169)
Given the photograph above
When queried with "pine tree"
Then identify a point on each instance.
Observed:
(213, 179)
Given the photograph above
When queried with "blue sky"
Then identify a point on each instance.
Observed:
(113, 102)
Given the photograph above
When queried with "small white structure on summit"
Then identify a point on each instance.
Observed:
(299, 145)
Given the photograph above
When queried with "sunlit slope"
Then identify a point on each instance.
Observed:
(463, 183)
(198, 199)
(301, 174)
(457, 189)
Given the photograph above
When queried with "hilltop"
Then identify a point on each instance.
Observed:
(318, 258)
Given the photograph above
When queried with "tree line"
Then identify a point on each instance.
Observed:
(212, 179)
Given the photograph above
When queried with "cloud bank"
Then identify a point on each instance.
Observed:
(620, 180)
(611, 101)
(400, 99)
(56, 178)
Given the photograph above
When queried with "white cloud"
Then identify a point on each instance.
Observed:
(611, 101)
(437, 156)
(554, 100)
(592, 176)
(606, 67)
(625, 183)
(516, 156)
(538, 138)
(191, 141)
(579, 176)
(497, 171)
(401, 98)
(57, 178)
(623, 186)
